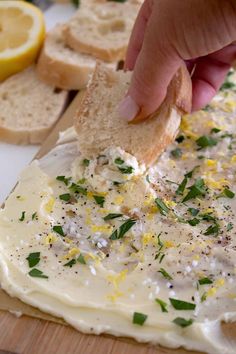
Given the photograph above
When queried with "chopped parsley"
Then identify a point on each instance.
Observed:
(139, 318)
(182, 322)
(165, 274)
(215, 130)
(180, 139)
(204, 281)
(182, 305)
(66, 197)
(176, 153)
(76, 188)
(22, 218)
(193, 222)
(212, 230)
(181, 187)
(65, 180)
(34, 216)
(204, 297)
(229, 226)
(33, 259)
(162, 304)
(193, 211)
(227, 193)
(70, 263)
(112, 216)
(119, 161)
(117, 234)
(36, 273)
(86, 162)
(59, 230)
(196, 190)
(126, 170)
(81, 259)
(162, 206)
(100, 200)
(206, 141)
(73, 261)
(227, 85)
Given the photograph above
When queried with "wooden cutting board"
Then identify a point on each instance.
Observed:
(39, 333)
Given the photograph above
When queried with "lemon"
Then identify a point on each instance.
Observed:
(22, 32)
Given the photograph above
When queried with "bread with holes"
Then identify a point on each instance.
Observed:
(99, 124)
(29, 108)
(102, 28)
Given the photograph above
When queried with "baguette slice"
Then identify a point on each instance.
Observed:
(29, 108)
(62, 67)
(99, 125)
(102, 30)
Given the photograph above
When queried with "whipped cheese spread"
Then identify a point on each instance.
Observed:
(112, 247)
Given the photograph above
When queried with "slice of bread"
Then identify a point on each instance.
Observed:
(29, 108)
(99, 125)
(62, 67)
(102, 28)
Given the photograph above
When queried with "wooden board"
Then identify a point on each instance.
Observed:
(39, 333)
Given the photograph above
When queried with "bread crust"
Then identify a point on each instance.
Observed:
(145, 140)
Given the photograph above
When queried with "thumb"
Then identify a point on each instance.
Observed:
(155, 66)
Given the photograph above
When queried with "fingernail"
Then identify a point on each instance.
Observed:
(128, 108)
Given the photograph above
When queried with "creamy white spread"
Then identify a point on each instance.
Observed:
(113, 248)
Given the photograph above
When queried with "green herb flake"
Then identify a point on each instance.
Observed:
(181, 187)
(215, 130)
(229, 226)
(162, 304)
(206, 141)
(59, 230)
(176, 153)
(86, 162)
(204, 297)
(100, 200)
(34, 216)
(126, 170)
(165, 274)
(36, 273)
(193, 222)
(112, 216)
(193, 211)
(182, 305)
(81, 259)
(70, 263)
(212, 230)
(162, 206)
(204, 281)
(22, 218)
(66, 197)
(196, 190)
(76, 188)
(76, 3)
(182, 322)
(227, 85)
(117, 234)
(119, 161)
(139, 318)
(65, 180)
(227, 193)
(33, 259)
(180, 139)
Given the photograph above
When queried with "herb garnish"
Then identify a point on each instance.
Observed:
(162, 304)
(36, 273)
(165, 274)
(86, 162)
(193, 222)
(197, 189)
(180, 139)
(181, 187)
(70, 263)
(33, 259)
(81, 259)
(229, 226)
(182, 305)
(73, 261)
(227, 193)
(213, 229)
(176, 153)
(182, 322)
(204, 281)
(58, 229)
(22, 218)
(119, 161)
(117, 234)
(100, 200)
(126, 170)
(139, 318)
(206, 141)
(193, 211)
(162, 206)
(215, 130)
(66, 197)
(65, 180)
(112, 216)
(34, 216)
(76, 188)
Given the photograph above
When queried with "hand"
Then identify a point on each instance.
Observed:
(170, 32)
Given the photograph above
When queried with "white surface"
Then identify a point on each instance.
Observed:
(14, 158)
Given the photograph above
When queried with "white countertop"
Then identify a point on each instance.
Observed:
(14, 158)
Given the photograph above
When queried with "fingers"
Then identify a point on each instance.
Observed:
(209, 75)
(154, 68)
(137, 36)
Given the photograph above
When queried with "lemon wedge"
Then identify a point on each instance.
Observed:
(22, 31)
